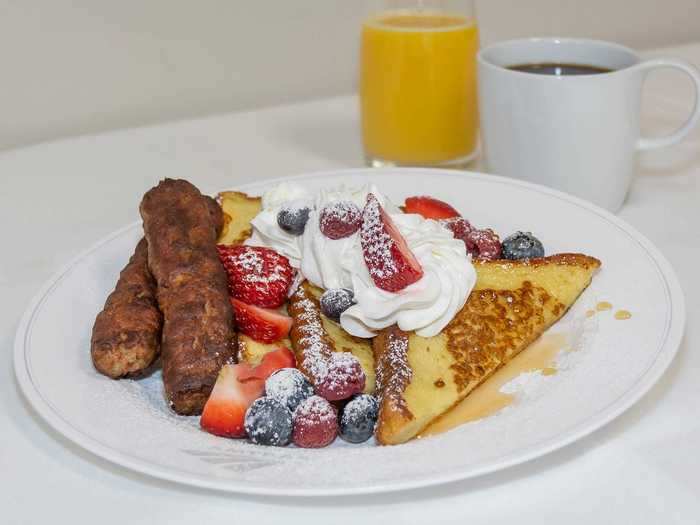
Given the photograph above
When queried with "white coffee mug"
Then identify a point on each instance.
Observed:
(577, 133)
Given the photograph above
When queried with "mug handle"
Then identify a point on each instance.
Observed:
(687, 127)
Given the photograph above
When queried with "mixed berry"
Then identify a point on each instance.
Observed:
(335, 301)
(522, 245)
(293, 218)
(358, 418)
(289, 386)
(274, 403)
(339, 219)
(343, 377)
(391, 264)
(268, 421)
(256, 275)
(315, 423)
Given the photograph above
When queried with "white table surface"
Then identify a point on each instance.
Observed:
(58, 198)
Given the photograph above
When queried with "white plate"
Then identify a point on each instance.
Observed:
(127, 421)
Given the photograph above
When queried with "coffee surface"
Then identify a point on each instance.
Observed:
(560, 70)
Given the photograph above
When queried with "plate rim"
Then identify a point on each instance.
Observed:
(667, 352)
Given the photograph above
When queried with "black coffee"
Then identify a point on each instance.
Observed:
(560, 70)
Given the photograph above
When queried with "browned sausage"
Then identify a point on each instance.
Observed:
(198, 329)
(126, 334)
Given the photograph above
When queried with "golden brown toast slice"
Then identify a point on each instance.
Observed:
(512, 304)
(239, 209)
(305, 311)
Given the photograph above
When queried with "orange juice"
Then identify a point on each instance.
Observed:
(418, 87)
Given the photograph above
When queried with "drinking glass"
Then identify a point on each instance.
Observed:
(418, 83)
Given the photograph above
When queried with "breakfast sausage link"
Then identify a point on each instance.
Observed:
(126, 334)
(192, 292)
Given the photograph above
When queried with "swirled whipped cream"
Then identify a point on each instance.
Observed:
(425, 306)
(266, 230)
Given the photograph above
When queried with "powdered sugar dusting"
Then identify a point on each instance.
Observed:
(339, 219)
(312, 339)
(344, 377)
(376, 242)
(336, 375)
(257, 275)
(315, 409)
(393, 370)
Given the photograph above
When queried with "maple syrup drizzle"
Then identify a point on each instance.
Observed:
(603, 305)
(621, 315)
(590, 313)
(487, 399)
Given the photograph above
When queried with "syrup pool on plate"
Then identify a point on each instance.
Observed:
(488, 399)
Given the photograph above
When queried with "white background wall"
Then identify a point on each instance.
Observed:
(79, 66)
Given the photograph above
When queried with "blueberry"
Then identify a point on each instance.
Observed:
(268, 422)
(522, 245)
(335, 301)
(293, 218)
(289, 386)
(358, 419)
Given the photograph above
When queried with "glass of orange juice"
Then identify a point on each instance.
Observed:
(418, 83)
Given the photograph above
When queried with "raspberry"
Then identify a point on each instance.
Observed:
(342, 378)
(256, 275)
(484, 244)
(460, 228)
(315, 423)
(339, 219)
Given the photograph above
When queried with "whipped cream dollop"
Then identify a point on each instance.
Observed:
(425, 306)
(266, 230)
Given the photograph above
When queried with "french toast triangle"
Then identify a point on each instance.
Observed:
(513, 303)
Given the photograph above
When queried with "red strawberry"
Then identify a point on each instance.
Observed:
(257, 275)
(224, 411)
(271, 362)
(266, 326)
(430, 208)
(390, 262)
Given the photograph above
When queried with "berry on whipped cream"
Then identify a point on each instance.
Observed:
(424, 306)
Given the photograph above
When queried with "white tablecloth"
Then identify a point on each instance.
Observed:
(56, 199)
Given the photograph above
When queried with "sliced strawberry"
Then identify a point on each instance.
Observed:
(430, 208)
(390, 262)
(271, 362)
(266, 326)
(224, 411)
(257, 275)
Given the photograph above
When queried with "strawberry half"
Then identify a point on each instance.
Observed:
(271, 362)
(390, 262)
(266, 326)
(256, 275)
(430, 208)
(225, 409)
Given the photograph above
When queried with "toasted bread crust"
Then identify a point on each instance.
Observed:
(239, 209)
(512, 304)
(312, 345)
